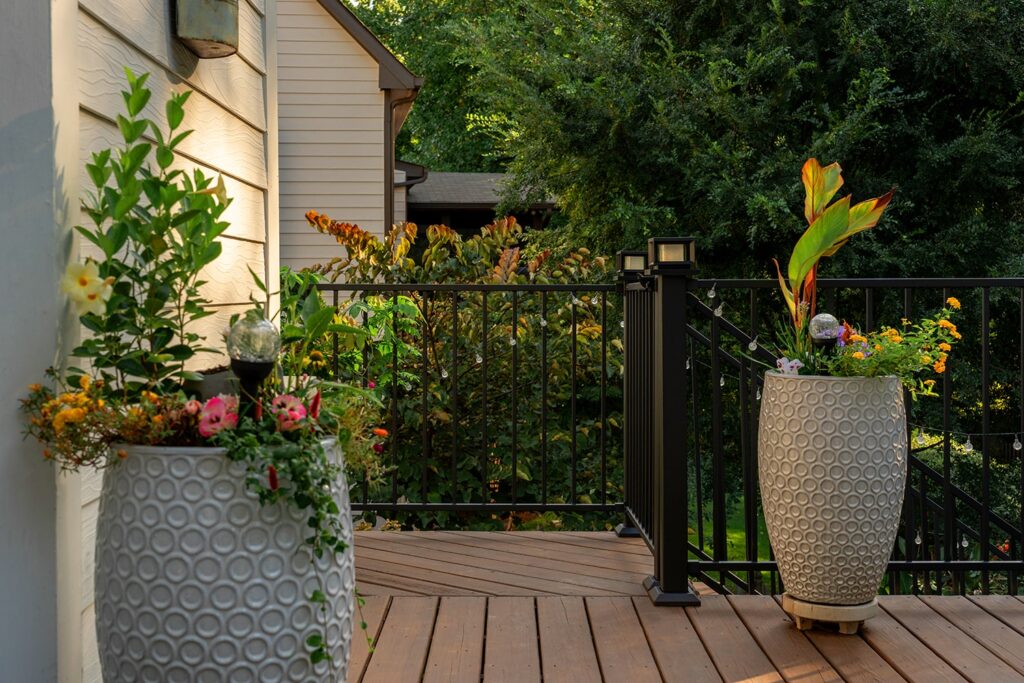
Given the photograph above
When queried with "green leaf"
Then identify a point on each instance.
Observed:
(175, 113)
(316, 325)
(257, 279)
(824, 232)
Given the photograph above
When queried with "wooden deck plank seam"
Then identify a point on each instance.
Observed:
(984, 643)
(376, 636)
(532, 577)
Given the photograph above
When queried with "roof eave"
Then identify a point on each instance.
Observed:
(393, 75)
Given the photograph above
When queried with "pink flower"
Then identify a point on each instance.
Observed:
(193, 407)
(216, 415)
(289, 412)
(378, 448)
(314, 406)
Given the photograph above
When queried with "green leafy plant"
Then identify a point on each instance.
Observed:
(431, 350)
(829, 228)
(156, 229)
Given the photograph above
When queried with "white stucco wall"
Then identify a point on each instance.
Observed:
(28, 339)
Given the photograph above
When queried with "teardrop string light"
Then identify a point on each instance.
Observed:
(928, 437)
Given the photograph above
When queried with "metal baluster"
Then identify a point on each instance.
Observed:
(485, 353)
(950, 542)
(572, 399)
(515, 403)
(455, 396)
(394, 399)
(425, 409)
(986, 455)
(544, 401)
(604, 387)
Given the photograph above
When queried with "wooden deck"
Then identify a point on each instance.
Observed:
(522, 607)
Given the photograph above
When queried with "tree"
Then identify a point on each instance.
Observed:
(649, 117)
(449, 128)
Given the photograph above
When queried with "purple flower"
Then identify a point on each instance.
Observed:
(788, 367)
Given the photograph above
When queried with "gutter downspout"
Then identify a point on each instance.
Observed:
(390, 104)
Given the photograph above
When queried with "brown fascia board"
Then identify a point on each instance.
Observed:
(393, 75)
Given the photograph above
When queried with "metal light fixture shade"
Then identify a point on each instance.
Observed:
(672, 253)
(631, 261)
(209, 28)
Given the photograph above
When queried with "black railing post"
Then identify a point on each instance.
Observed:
(671, 262)
(630, 266)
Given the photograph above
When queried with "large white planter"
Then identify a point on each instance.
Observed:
(197, 581)
(832, 464)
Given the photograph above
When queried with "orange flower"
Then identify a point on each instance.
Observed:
(382, 433)
(953, 303)
(945, 347)
(858, 355)
(939, 367)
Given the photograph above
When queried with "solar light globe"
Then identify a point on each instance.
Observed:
(253, 339)
(823, 328)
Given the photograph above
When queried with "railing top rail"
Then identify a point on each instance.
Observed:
(464, 287)
(871, 283)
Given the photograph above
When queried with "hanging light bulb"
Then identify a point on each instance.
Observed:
(444, 373)
(479, 359)
(622, 323)
(968, 446)
(512, 341)
(544, 322)
(1017, 445)
(721, 382)
(964, 542)
(719, 310)
(752, 346)
(917, 539)
(687, 363)
(711, 292)
(920, 438)
(758, 394)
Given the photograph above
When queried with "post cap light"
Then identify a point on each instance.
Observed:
(631, 261)
(672, 253)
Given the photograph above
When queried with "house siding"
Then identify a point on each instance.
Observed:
(231, 110)
(331, 119)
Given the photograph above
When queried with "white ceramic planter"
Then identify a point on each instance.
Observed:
(832, 464)
(198, 582)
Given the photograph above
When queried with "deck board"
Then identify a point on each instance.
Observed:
(457, 648)
(963, 653)
(567, 646)
(526, 607)
(512, 651)
(795, 658)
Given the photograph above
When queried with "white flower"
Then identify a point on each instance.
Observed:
(788, 367)
(82, 284)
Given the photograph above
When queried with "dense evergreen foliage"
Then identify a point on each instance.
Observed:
(652, 117)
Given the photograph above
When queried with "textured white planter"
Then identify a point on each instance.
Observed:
(196, 581)
(832, 464)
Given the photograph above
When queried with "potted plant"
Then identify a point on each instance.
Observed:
(224, 535)
(832, 441)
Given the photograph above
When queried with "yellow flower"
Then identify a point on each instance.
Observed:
(926, 360)
(84, 382)
(929, 383)
(35, 388)
(953, 303)
(82, 284)
(955, 334)
(878, 347)
(65, 416)
(945, 347)
(946, 324)
(150, 396)
(857, 338)
(895, 339)
(858, 355)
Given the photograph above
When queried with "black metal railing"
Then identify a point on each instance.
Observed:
(500, 398)
(694, 368)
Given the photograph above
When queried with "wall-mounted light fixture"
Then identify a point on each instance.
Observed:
(209, 28)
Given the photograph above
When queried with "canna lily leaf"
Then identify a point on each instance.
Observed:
(825, 231)
(786, 294)
(867, 214)
(820, 185)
